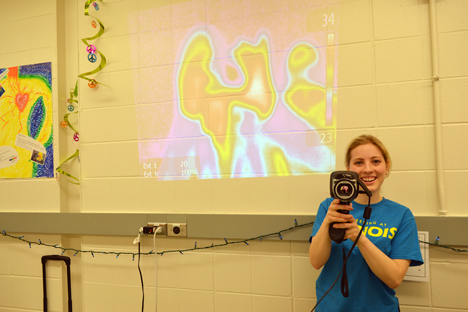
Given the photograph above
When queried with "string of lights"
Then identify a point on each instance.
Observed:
(181, 251)
(443, 246)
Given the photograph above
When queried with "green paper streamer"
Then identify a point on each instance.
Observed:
(101, 26)
(69, 124)
(85, 41)
(96, 70)
(60, 170)
(74, 93)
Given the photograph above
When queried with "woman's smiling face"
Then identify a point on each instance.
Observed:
(369, 163)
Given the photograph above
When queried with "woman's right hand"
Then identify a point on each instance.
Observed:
(334, 216)
(320, 248)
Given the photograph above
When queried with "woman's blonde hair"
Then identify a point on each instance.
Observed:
(366, 139)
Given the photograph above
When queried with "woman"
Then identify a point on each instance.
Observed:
(387, 247)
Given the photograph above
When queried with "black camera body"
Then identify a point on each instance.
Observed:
(344, 185)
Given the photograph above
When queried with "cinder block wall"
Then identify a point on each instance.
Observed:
(384, 88)
(29, 36)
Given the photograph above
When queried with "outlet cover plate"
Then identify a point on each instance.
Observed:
(420, 273)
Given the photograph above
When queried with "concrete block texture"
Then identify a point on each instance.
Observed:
(396, 19)
(402, 59)
(449, 285)
(451, 49)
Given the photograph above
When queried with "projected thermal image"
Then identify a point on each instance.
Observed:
(253, 100)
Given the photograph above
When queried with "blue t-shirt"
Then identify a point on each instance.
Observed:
(392, 228)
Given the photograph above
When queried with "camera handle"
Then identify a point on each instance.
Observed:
(337, 235)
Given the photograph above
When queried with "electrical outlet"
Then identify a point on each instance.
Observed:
(177, 229)
(163, 226)
(420, 273)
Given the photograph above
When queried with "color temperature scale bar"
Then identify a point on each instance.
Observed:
(330, 79)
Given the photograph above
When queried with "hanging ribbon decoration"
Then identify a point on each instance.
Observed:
(72, 100)
(92, 83)
(92, 49)
(73, 95)
(60, 170)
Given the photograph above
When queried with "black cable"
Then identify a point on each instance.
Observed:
(343, 267)
(344, 278)
(367, 213)
(141, 277)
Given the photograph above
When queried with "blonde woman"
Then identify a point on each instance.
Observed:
(387, 247)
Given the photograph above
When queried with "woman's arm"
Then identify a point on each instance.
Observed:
(320, 247)
(389, 271)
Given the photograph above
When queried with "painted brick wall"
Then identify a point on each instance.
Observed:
(384, 88)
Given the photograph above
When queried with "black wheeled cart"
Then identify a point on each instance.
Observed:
(67, 262)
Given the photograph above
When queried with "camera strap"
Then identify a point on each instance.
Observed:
(344, 280)
(344, 277)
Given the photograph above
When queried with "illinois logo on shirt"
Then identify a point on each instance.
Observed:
(377, 230)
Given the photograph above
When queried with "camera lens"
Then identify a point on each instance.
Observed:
(344, 190)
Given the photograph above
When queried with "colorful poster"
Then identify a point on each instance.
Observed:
(26, 132)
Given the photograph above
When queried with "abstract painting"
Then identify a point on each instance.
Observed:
(26, 122)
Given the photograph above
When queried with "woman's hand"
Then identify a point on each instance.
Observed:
(351, 227)
(320, 247)
(334, 216)
(343, 221)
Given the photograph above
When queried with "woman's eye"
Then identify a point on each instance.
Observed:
(357, 163)
(376, 161)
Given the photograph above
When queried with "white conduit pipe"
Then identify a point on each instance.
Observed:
(437, 118)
